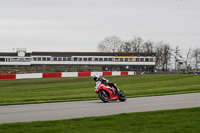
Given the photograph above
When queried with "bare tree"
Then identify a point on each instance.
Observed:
(167, 52)
(137, 45)
(148, 46)
(187, 60)
(134, 45)
(159, 51)
(110, 44)
(163, 55)
(126, 47)
(177, 56)
(195, 54)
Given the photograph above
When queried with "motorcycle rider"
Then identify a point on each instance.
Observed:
(102, 80)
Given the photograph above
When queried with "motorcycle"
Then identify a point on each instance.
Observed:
(107, 93)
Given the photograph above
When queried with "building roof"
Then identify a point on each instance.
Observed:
(12, 54)
(77, 54)
(90, 54)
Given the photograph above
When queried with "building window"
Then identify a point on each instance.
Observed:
(96, 59)
(79, 59)
(39, 58)
(59, 59)
(7, 59)
(64, 59)
(116, 59)
(130, 59)
(147, 59)
(15, 58)
(126, 59)
(55, 59)
(110, 59)
(69, 59)
(48, 59)
(100, 59)
(85, 59)
(142, 59)
(2, 59)
(121, 59)
(105, 59)
(34, 59)
(75, 58)
(137, 59)
(44, 58)
(89, 59)
(151, 59)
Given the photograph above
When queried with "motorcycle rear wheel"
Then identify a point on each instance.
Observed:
(104, 96)
(122, 96)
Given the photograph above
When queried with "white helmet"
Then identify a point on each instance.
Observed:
(96, 77)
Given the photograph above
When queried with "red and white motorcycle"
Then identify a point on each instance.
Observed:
(107, 93)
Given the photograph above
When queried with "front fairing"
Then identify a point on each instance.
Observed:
(109, 89)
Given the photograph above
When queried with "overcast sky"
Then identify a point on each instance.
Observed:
(79, 25)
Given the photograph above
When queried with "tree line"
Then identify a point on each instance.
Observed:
(165, 53)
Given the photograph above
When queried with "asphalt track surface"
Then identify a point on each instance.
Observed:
(69, 110)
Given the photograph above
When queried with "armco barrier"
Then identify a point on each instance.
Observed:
(99, 73)
(107, 74)
(48, 75)
(11, 76)
(124, 73)
(131, 73)
(65, 74)
(84, 74)
(28, 76)
(69, 74)
(116, 73)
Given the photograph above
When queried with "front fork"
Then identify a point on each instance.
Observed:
(117, 90)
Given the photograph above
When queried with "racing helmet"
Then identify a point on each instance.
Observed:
(96, 77)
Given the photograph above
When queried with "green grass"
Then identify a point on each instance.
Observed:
(173, 121)
(23, 91)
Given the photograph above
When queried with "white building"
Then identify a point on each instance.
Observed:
(23, 62)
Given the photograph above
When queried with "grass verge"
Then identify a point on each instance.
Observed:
(172, 121)
(24, 91)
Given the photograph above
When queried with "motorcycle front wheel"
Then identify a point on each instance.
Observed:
(122, 96)
(104, 96)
